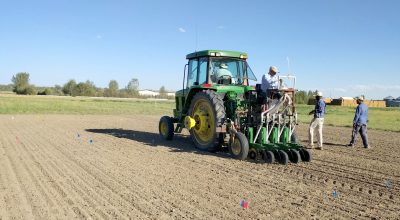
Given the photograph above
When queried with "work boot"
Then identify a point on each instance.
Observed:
(350, 145)
(319, 148)
(367, 147)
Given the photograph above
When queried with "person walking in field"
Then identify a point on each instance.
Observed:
(317, 121)
(360, 123)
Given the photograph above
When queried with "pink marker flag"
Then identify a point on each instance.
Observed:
(244, 204)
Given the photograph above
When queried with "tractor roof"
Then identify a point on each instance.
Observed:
(217, 53)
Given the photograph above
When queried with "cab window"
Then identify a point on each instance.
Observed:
(203, 63)
(192, 73)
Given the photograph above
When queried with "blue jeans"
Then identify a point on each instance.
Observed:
(362, 129)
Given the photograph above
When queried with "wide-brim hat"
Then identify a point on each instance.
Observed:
(318, 93)
(274, 69)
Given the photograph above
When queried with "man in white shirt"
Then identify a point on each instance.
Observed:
(270, 80)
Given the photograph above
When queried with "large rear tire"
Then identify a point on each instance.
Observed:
(207, 109)
(239, 149)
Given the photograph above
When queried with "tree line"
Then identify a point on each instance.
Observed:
(302, 97)
(20, 85)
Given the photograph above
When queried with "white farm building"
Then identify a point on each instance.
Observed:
(152, 93)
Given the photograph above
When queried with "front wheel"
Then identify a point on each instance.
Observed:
(166, 127)
(239, 148)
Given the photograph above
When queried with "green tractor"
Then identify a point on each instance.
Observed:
(221, 109)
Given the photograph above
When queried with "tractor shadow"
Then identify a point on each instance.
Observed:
(180, 143)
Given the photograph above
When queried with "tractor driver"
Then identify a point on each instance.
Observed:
(222, 73)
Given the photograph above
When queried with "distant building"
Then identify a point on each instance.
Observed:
(389, 98)
(147, 92)
(346, 98)
(392, 102)
(171, 94)
(311, 101)
(152, 93)
(349, 101)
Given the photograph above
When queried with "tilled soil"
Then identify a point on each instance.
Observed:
(106, 167)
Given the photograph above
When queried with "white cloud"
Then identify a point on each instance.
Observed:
(99, 36)
(181, 30)
(221, 27)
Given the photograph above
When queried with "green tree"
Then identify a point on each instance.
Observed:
(69, 88)
(310, 94)
(58, 90)
(86, 88)
(100, 92)
(162, 92)
(31, 90)
(112, 90)
(21, 83)
(9, 87)
(46, 91)
(133, 87)
(301, 97)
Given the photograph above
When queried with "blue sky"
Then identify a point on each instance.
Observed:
(342, 47)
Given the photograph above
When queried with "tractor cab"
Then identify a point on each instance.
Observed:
(218, 68)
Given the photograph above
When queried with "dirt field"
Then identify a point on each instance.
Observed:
(106, 167)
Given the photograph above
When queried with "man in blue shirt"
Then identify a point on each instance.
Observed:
(317, 121)
(360, 123)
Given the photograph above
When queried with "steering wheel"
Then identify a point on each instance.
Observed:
(225, 79)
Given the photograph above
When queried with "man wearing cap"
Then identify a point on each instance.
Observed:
(270, 80)
(317, 121)
(360, 123)
(223, 71)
